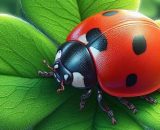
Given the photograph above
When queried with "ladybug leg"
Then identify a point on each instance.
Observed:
(47, 64)
(45, 74)
(61, 88)
(149, 99)
(129, 105)
(104, 107)
(84, 97)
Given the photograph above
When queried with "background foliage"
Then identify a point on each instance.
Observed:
(151, 8)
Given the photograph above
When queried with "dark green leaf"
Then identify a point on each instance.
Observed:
(149, 8)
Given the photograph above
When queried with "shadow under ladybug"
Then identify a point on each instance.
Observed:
(119, 50)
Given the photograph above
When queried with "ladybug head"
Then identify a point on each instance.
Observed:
(73, 65)
(61, 73)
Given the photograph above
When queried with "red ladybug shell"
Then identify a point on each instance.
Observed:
(130, 63)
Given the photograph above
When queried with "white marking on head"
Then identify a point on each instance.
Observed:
(58, 55)
(78, 80)
(83, 39)
(94, 51)
(56, 66)
(66, 76)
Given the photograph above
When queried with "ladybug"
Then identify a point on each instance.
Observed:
(117, 49)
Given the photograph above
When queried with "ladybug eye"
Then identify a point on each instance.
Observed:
(56, 66)
(66, 77)
(58, 55)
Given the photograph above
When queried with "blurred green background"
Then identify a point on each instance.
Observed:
(151, 8)
(11, 7)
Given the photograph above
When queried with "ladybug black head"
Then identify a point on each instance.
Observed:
(74, 65)
(61, 73)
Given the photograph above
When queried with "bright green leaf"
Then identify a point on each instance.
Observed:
(25, 98)
(58, 17)
(69, 117)
(22, 48)
(26, 101)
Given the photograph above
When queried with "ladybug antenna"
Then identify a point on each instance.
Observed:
(61, 88)
(46, 63)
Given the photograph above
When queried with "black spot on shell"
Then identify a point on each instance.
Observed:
(131, 80)
(110, 13)
(96, 39)
(139, 44)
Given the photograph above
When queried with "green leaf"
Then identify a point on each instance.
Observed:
(149, 8)
(10, 6)
(69, 117)
(25, 98)
(22, 48)
(157, 1)
(58, 17)
(24, 101)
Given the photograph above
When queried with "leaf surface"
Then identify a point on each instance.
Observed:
(25, 98)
